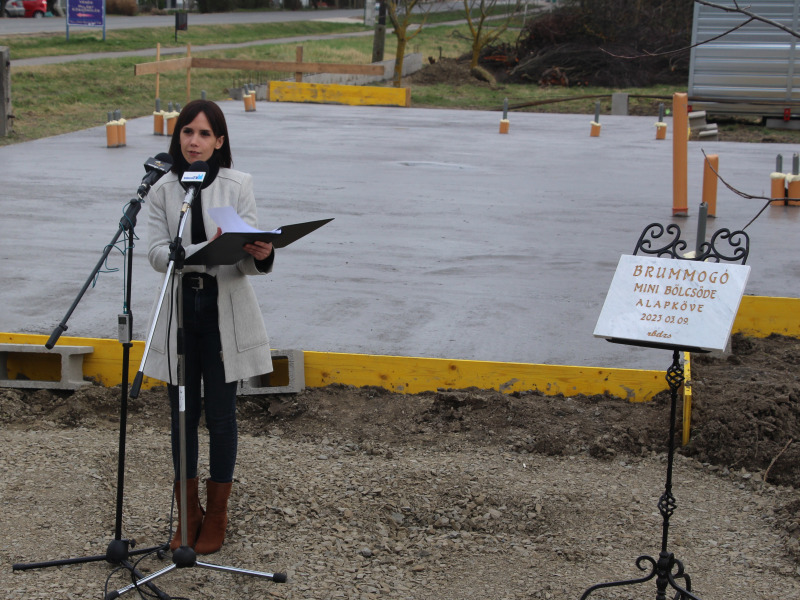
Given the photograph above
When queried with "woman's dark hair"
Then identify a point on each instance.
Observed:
(218, 125)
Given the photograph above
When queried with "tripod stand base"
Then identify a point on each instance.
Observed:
(117, 552)
(184, 558)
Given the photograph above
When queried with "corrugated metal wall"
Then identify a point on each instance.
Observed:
(751, 70)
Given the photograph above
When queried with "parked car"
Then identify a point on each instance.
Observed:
(14, 8)
(26, 8)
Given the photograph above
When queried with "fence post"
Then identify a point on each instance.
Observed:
(5, 92)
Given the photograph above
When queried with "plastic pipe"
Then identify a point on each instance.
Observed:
(777, 182)
(680, 149)
(710, 170)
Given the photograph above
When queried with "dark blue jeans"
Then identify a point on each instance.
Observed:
(203, 360)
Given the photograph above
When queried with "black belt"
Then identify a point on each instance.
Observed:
(199, 281)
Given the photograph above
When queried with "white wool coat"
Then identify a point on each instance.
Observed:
(245, 345)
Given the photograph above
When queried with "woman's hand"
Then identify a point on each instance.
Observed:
(259, 250)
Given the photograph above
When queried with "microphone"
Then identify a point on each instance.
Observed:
(156, 168)
(192, 181)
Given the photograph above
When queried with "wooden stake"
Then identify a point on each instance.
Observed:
(298, 58)
(189, 74)
(158, 75)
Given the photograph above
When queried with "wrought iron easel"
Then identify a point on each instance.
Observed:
(668, 570)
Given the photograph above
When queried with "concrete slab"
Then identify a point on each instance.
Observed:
(449, 240)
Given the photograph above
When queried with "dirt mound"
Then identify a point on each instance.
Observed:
(746, 412)
(446, 71)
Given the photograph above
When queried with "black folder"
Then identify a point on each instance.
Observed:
(227, 248)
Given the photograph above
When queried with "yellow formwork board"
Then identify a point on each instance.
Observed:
(760, 316)
(414, 375)
(408, 375)
(332, 93)
(104, 365)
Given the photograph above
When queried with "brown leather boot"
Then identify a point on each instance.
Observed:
(194, 518)
(212, 534)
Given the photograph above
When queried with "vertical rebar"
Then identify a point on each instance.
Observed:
(701, 226)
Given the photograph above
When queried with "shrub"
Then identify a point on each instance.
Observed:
(122, 7)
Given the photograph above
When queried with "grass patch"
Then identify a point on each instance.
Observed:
(55, 99)
(82, 42)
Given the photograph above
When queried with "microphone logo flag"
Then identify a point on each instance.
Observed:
(193, 177)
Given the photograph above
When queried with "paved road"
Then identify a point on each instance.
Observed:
(59, 24)
(449, 240)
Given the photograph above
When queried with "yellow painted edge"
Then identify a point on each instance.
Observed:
(761, 316)
(333, 93)
(758, 316)
(104, 365)
(408, 375)
(414, 375)
(687, 397)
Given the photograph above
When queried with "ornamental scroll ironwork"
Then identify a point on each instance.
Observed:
(724, 245)
(667, 243)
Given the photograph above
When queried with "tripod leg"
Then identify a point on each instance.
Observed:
(276, 577)
(140, 582)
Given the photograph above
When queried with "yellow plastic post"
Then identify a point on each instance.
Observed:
(777, 188)
(112, 134)
(248, 99)
(710, 170)
(792, 188)
(122, 134)
(158, 122)
(680, 150)
(171, 118)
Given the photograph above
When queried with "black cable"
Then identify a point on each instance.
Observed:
(739, 192)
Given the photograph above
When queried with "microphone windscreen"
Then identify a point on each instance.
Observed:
(164, 157)
(195, 174)
(198, 166)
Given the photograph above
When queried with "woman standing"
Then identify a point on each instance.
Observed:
(225, 337)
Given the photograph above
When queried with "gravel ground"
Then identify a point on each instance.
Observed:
(358, 494)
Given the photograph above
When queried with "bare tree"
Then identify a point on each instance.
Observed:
(734, 7)
(484, 30)
(400, 14)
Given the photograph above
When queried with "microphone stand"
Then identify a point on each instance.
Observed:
(119, 549)
(184, 556)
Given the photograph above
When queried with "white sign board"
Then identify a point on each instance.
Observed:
(672, 302)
